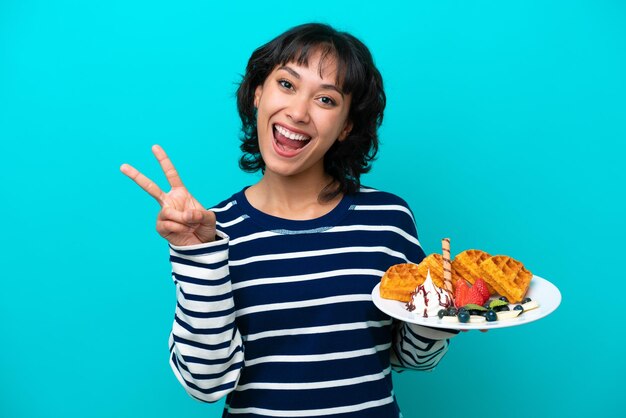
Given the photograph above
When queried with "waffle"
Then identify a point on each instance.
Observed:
(399, 281)
(434, 263)
(466, 265)
(507, 276)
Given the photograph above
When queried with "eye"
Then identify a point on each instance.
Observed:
(285, 84)
(327, 101)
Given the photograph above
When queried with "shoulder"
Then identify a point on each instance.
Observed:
(371, 196)
(381, 203)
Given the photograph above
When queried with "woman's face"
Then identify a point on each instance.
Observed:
(301, 112)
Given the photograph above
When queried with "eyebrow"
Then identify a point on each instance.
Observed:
(296, 75)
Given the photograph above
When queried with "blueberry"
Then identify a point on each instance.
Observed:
(502, 308)
(441, 313)
(452, 311)
(526, 300)
(518, 308)
(504, 299)
(486, 304)
(464, 316)
(491, 315)
(462, 309)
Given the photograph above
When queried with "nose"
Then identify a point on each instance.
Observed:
(298, 109)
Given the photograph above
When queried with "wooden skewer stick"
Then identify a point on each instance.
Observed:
(447, 268)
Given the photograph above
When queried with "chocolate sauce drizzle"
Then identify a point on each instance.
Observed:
(444, 302)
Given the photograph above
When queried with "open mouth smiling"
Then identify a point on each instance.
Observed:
(287, 142)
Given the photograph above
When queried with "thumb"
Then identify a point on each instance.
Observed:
(199, 217)
(204, 221)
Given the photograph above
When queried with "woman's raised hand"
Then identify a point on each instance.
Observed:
(182, 219)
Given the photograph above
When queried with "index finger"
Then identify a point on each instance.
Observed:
(143, 182)
(168, 168)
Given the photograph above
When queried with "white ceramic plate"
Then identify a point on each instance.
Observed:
(540, 290)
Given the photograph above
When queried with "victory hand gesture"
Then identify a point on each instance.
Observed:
(182, 219)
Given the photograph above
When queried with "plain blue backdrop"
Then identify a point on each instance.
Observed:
(505, 130)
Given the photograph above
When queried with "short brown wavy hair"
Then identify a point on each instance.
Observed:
(357, 75)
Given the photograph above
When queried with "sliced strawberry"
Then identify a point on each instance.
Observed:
(474, 295)
(481, 285)
(461, 290)
(460, 283)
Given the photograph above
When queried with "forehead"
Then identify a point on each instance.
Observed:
(322, 60)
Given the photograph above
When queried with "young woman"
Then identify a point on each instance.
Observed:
(274, 283)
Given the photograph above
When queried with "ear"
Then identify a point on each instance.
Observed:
(346, 130)
(257, 95)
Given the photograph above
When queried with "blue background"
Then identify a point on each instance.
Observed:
(505, 131)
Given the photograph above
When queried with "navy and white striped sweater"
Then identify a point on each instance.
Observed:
(278, 313)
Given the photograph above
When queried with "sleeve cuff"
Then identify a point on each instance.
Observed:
(432, 332)
(220, 243)
(201, 263)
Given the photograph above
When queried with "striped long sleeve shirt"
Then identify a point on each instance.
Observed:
(277, 314)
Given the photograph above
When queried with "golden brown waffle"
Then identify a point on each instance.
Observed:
(399, 281)
(466, 265)
(434, 263)
(507, 276)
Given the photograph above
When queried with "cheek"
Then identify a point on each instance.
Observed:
(268, 106)
(333, 126)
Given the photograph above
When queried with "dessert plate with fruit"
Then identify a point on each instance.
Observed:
(473, 291)
(541, 299)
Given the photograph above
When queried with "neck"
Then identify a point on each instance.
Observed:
(291, 197)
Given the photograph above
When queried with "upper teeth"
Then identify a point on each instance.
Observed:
(291, 135)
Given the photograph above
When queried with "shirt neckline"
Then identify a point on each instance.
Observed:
(286, 226)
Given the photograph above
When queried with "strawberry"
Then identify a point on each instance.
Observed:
(474, 295)
(482, 287)
(461, 290)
